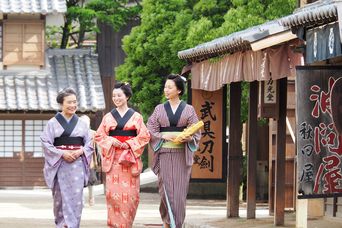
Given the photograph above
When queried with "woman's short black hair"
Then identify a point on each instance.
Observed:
(125, 87)
(64, 93)
(178, 80)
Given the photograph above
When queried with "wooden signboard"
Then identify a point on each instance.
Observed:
(268, 99)
(210, 159)
(319, 145)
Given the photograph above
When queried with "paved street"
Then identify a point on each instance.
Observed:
(33, 209)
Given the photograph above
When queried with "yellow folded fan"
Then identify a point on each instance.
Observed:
(189, 131)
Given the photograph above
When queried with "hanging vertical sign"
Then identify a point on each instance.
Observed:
(319, 145)
(208, 160)
(268, 99)
(270, 92)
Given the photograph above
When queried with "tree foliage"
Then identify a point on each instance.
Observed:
(168, 27)
(82, 17)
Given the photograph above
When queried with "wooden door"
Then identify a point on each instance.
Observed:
(21, 157)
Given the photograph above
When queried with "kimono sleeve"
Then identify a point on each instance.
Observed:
(194, 143)
(153, 126)
(88, 148)
(138, 143)
(47, 137)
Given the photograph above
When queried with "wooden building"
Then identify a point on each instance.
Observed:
(263, 56)
(266, 56)
(319, 25)
(30, 78)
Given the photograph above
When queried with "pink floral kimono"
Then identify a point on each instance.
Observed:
(122, 166)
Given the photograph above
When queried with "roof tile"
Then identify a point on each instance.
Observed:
(32, 6)
(37, 90)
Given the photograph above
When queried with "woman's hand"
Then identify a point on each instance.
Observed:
(68, 156)
(117, 143)
(169, 137)
(124, 146)
(77, 153)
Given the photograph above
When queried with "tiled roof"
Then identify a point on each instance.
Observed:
(238, 41)
(37, 90)
(318, 12)
(32, 6)
(314, 13)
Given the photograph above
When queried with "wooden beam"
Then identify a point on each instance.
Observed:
(279, 192)
(252, 149)
(234, 150)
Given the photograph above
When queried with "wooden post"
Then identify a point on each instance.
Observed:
(272, 125)
(252, 149)
(280, 155)
(234, 151)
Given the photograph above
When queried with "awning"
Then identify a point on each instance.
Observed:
(275, 63)
(239, 41)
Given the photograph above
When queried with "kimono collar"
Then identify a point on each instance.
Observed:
(174, 118)
(121, 121)
(67, 126)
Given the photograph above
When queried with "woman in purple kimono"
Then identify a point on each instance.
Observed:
(172, 162)
(67, 148)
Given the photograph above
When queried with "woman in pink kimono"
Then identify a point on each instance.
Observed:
(122, 136)
(67, 148)
(172, 162)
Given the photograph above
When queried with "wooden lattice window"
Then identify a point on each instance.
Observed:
(23, 42)
(10, 137)
(33, 129)
(21, 136)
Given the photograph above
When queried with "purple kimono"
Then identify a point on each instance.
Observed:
(66, 179)
(172, 165)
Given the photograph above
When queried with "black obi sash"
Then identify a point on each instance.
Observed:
(173, 118)
(121, 121)
(65, 138)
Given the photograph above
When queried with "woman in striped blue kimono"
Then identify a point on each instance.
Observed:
(172, 162)
(67, 145)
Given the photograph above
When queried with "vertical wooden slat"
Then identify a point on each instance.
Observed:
(234, 151)
(252, 149)
(280, 155)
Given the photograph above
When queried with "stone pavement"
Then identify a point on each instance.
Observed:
(33, 209)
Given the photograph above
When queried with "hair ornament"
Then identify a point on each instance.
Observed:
(183, 78)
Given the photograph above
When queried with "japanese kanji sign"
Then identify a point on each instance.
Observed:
(319, 145)
(268, 99)
(208, 159)
(270, 92)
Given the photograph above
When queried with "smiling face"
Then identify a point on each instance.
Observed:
(69, 105)
(119, 98)
(170, 89)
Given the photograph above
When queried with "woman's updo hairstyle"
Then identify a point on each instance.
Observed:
(64, 93)
(179, 82)
(125, 87)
